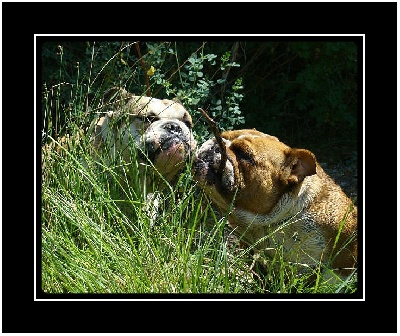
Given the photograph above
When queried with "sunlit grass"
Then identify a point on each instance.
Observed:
(97, 237)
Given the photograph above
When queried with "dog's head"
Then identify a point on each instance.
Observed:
(161, 130)
(259, 169)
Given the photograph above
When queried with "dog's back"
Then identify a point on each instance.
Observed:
(336, 216)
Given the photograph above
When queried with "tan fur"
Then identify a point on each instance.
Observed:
(282, 196)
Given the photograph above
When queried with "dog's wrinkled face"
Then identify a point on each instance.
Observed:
(258, 170)
(161, 130)
(168, 144)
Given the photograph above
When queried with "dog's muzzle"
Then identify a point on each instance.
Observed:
(206, 162)
(168, 140)
(206, 167)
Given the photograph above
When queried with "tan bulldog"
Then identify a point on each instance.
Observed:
(279, 196)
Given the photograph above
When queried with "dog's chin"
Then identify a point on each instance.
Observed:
(167, 158)
(170, 156)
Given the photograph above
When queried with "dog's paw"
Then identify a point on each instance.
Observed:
(152, 206)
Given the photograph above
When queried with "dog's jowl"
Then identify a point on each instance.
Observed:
(280, 199)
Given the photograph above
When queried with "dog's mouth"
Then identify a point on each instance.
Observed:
(207, 171)
(205, 166)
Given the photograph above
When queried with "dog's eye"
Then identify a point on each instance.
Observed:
(152, 118)
(188, 124)
(241, 155)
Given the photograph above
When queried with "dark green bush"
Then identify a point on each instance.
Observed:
(301, 91)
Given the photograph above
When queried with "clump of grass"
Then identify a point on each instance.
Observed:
(97, 237)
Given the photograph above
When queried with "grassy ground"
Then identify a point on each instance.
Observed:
(98, 238)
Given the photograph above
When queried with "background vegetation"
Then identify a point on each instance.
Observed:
(305, 92)
(96, 237)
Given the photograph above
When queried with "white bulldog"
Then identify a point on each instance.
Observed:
(161, 130)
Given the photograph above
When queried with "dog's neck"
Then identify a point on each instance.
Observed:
(290, 203)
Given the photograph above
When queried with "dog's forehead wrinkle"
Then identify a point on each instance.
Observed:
(248, 135)
(206, 146)
(145, 106)
(227, 142)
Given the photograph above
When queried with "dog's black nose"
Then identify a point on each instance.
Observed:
(172, 127)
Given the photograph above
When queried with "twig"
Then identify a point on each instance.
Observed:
(144, 69)
(215, 130)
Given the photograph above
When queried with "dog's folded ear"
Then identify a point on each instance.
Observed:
(187, 119)
(301, 163)
(177, 100)
(111, 93)
(115, 95)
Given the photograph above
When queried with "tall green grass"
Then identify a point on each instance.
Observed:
(97, 236)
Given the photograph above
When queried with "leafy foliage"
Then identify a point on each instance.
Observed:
(302, 91)
(199, 80)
